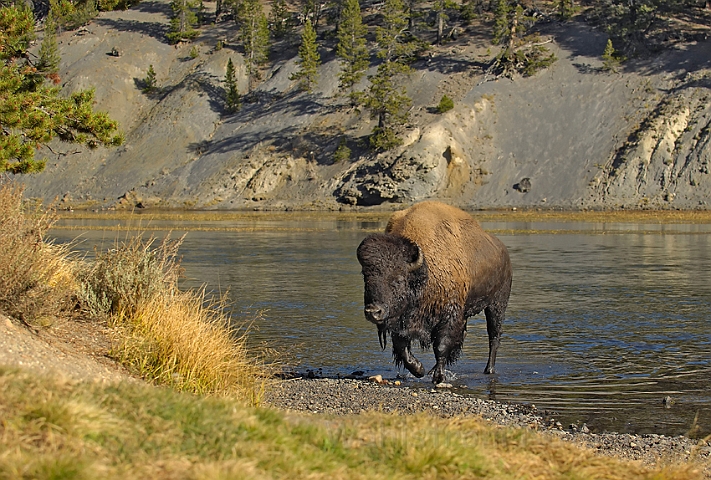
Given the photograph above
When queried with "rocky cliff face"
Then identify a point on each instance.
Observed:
(666, 158)
(572, 136)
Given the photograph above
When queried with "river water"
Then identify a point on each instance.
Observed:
(604, 320)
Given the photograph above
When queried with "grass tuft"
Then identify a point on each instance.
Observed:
(165, 335)
(37, 278)
(182, 341)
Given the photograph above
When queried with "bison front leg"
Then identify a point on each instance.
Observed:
(402, 354)
(447, 344)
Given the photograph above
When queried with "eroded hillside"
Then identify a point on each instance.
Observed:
(571, 136)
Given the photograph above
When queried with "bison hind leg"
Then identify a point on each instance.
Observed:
(494, 318)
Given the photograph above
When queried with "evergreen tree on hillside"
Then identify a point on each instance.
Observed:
(521, 54)
(279, 18)
(351, 48)
(387, 101)
(312, 10)
(502, 29)
(31, 113)
(182, 25)
(232, 99)
(441, 17)
(253, 34)
(610, 58)
(149, 81)
(48, 62)
(309, 59)
(629, 21)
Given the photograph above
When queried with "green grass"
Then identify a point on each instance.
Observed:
(54, 429)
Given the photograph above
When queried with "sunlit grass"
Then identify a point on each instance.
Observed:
(52, 429)
(182, 341)
(508, 215)
(36, 277)
(165, 335)
(246, 222)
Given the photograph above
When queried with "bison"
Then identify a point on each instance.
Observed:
(433, 268)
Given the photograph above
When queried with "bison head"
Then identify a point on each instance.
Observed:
(394, 273)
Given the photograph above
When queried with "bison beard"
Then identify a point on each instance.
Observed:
(423, 289)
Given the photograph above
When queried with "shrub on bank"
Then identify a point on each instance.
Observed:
(128, 274)
(167, 336)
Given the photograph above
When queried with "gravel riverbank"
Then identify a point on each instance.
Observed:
(352, 396)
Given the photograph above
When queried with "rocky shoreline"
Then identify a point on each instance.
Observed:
(353, 396)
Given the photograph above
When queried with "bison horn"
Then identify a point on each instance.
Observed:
(417, 261)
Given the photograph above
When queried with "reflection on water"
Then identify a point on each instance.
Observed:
(600, 328)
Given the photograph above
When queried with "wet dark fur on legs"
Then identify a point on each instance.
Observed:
(404, 299)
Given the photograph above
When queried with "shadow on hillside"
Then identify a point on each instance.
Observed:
(154, 7)
(447, 65)
(262, 111)
(583, 40)
(257, 108)
(151, 29)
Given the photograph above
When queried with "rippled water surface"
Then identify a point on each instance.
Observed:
(604, 321)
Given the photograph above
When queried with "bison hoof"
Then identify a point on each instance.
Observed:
(417, 369)
(489, 370)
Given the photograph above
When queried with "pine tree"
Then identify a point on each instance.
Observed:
(49, 58)
(254, 35)
(439, 8)
(502, 29)
(312, 10)
(309, 59)
(149, 81)
(351, 48)
(182, 25)
(392, 37)
(232, 99)
(610, 59)
(33, 114)
(387, 102)
(279, 17)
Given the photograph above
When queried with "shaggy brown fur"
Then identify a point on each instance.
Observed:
(463, 270)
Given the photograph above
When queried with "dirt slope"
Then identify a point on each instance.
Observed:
(582, 137)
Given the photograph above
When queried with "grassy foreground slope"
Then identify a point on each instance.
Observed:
(55, 429)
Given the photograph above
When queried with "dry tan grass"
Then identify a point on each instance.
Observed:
(168, 336)
(165, 335)
(183, 340)
(37, 278)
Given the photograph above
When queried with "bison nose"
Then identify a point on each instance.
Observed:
(375, 313)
